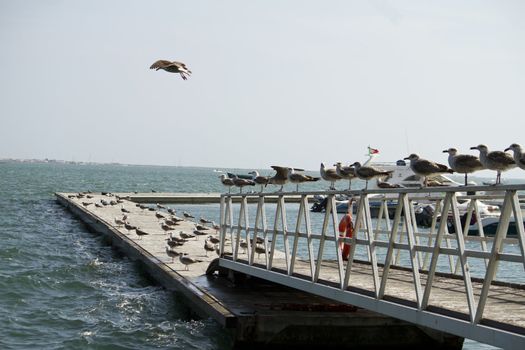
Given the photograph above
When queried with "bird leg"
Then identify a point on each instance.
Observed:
(349, 184)
(297, 187)
(465, 179)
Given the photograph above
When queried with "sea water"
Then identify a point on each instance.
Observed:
(63, 287)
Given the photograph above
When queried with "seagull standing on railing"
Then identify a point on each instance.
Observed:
(463, 163)
(172, 67)
(495, 160)
(238, 182)
(226, 181)
(280, 178)
(345, 172)
(519, 156)
(297, 178)
(329, 175)
(259, 179)
(425, 168)
(368, 173)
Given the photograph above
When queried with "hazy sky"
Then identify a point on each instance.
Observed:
(274, 82)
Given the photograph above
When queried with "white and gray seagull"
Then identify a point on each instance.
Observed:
(186, 260)
(329, 175)
(238, 182)
(259, 179)
(280, 177)
(226, 181)
(172, 67)
(519, 156)
(463, 163)
(426, 168)
(345, 172)
(297, 178)
(495, 160)
(368, 173)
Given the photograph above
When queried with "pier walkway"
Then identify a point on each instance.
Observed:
(254, 311)
(395, 268)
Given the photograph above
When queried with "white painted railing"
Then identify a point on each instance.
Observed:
(388, 243)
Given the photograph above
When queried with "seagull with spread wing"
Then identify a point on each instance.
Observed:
(172, 67)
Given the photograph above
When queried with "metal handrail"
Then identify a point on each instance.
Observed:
(396, 235)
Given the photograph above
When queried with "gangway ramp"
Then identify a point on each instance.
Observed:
(431, 277)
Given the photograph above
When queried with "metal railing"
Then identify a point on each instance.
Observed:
(309, 255)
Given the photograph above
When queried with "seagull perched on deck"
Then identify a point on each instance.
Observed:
(495, 160)
(172, 67)
(186, 260)
(463, 163)
(329, 175)
(297, 178)
(367, 172)
(519, 156)
(171, 253)
(425, 168)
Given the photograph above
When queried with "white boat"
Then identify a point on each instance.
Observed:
(403, 176)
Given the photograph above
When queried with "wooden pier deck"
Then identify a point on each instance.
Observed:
(256, 312)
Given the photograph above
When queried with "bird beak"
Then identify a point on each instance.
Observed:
(474, 147)
(507, 149)
(445, 151)
(406, 158)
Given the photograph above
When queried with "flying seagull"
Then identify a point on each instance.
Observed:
(463, 163)
(172, 67)
(495, 160)
(425, 168)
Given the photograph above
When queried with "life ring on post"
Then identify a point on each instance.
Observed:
(346, 229)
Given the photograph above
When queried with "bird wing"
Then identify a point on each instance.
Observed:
(160, 64)
(281, 171)
(501, 157)
(179, 65)
(423, 166)
(468, 160)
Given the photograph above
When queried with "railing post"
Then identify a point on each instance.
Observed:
(330, 205)
(392, 241)
(410, 221)
(371, 245)
(462, 258)
(492, 268)
(435, 252)
(518, 219)
(222, 225)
